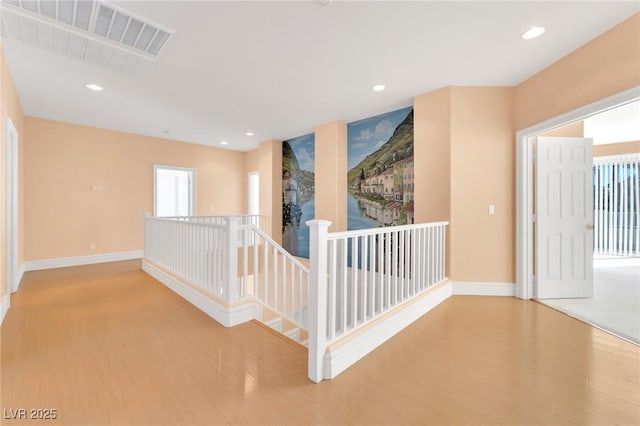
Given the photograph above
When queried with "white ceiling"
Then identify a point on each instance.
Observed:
(621, 124)
(278, 69)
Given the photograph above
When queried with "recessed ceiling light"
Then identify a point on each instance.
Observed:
(94, 87)
(533, 32)
(378, 88)
(249, 134)
(224, 143)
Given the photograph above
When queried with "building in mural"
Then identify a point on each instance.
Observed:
(381, 176)
(298, 193)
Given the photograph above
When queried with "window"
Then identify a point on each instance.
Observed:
(173, 191)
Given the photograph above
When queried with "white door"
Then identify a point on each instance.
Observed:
(564, 231)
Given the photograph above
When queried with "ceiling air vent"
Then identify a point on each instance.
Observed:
(94, 31)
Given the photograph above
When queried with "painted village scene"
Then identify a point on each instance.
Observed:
(298, 193)
(381, 170)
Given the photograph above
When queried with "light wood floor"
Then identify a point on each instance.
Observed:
(106, 344)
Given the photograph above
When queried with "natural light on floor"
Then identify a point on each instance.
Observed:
(615, 306)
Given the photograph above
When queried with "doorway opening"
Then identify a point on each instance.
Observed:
(254, 199)
(11, 209)
(613, 214)
(173, 191)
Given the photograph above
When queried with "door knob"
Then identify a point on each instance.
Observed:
(589, 227)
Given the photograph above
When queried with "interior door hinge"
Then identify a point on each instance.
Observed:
(534, 218)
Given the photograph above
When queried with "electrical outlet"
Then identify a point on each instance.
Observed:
(92, 246)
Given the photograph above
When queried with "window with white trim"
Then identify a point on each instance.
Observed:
(173, 191)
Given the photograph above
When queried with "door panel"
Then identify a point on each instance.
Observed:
(564, 218)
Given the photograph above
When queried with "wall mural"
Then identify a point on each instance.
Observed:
(380, 178)
(298, 193)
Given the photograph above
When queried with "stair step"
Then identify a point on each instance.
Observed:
(275, 323)
(293, 334)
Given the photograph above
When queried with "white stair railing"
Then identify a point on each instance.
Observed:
(230, 258)
(355, 278)
(190, 250)
(274, 277)
(359, 276)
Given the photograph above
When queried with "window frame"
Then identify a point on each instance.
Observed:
(192, 186)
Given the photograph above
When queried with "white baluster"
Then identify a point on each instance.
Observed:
(231, 249)
(333, 277)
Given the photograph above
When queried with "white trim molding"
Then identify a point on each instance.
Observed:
(609, 262)
(338, 359)
(63, 262)
(4, 307)
(469, 288)
(21, 271)
(228, 316)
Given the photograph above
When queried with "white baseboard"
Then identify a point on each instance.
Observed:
(225, 315)
(468, 288)
(21, 271)
(351, 351)
(63, 262)
(4, 306)
(608, 262)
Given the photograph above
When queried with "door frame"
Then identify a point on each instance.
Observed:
(524, 182)
(11, 208)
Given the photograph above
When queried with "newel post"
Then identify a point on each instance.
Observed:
(317, 298)
(231, 247)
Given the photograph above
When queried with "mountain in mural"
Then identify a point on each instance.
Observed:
(398, 147)
(304, 178)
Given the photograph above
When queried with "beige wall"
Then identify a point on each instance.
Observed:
(331, 174)
(464, 153)
(10, 107)
(251, 164)
(616, 149)
(63, 216)
(482, 174)
(605, 66)
(270, 170)
(432, 156)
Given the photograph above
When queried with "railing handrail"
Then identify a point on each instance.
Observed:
(280, 249)
(382, 230)
(187, 218)
(187, 222)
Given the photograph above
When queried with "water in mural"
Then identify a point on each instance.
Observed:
(298, 193)
(381, 173)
